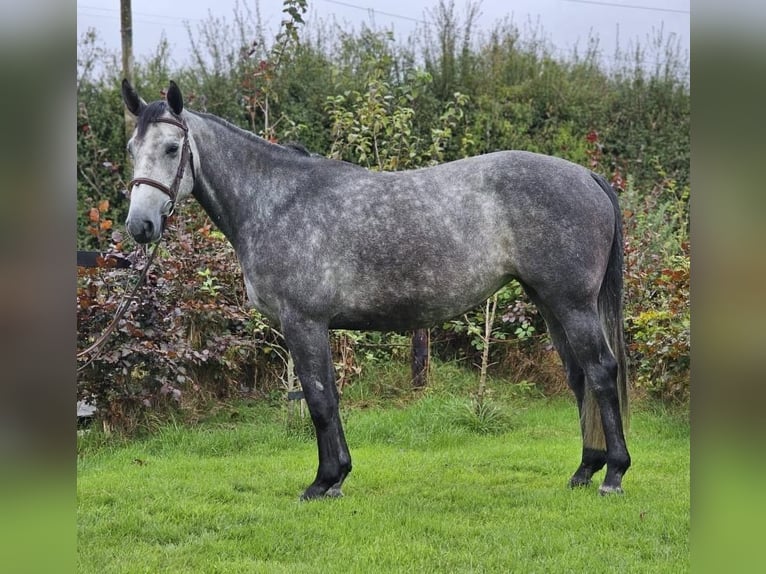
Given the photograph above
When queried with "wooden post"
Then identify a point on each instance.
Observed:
(126, 33)
(421, 344)
(294, 391)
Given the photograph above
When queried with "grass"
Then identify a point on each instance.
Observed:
(427, 494)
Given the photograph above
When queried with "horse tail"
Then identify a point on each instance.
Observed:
(611, 315)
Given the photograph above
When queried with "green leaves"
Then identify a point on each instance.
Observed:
(657, 285)
(378, 128)
(519, 320)
(209, 283)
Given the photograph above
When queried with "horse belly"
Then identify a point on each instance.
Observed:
(401, 304)
(403, 316)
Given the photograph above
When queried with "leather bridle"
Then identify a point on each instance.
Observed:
(186, 156)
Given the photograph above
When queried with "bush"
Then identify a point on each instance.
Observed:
(187, 340)
(363, 97)
(658, 320)
(657, 286)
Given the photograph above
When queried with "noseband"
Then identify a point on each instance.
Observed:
(186, 155)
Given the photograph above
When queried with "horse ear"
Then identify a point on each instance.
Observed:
(175, 99)
(132, 100)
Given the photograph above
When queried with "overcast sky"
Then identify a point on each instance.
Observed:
(565, 23)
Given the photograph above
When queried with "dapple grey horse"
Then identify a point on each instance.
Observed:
(325, 244)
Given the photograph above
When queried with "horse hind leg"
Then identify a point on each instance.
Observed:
(593, 456)
(308, 342)
(594, 450)
(600, 415)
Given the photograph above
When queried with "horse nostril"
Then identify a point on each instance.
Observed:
(141, 230)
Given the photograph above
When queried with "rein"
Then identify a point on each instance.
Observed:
(172, 192)
(97, 346)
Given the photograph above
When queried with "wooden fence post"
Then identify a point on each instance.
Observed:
(421, 345)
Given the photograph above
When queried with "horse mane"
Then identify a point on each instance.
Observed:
(156, 110)
(297, 147)
(294, 147)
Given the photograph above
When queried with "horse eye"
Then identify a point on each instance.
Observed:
(172, 148)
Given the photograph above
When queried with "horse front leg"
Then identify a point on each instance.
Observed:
(309, 343)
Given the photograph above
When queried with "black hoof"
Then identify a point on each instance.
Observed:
(315, 492)
(581, 477)
(579, 482)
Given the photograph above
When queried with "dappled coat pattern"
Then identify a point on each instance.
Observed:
(326, 244)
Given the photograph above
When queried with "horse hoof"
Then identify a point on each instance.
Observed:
(334, 492)
(579, 482)
(606, 490)
(312, 493)
(316, 493)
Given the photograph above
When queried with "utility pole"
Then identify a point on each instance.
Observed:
(126, 33)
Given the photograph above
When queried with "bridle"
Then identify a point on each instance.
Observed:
(186, 156)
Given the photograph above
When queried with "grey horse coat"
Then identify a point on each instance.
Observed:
(326, 244)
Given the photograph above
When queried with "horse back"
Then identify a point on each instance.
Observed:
(409, 249)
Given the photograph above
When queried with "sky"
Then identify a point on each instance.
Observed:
(566, 24)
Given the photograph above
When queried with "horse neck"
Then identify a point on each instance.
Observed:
(240, 176)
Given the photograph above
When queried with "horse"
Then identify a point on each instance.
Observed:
(325, 244)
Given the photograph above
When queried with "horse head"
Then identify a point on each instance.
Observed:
(163, 161)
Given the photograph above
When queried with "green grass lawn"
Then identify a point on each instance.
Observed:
(426, 495)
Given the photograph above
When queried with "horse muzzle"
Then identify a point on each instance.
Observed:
(144, 230)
